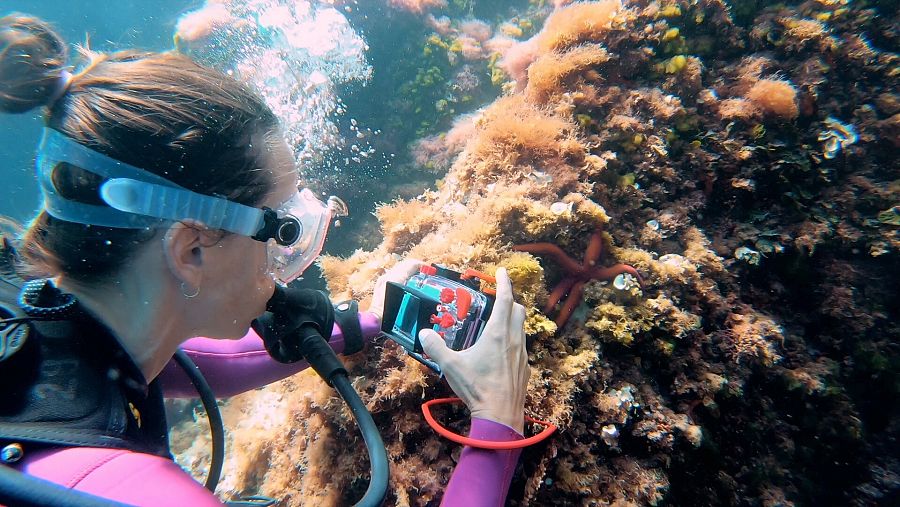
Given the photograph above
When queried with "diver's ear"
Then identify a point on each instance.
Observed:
(183, 248)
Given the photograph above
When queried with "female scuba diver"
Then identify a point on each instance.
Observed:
(171, 210)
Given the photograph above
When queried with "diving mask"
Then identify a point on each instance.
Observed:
(296, 232)
(138, 199)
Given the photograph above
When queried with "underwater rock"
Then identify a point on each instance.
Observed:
(747, 255)
(610, 435)
(717, 372)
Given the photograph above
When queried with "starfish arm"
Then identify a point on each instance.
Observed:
(569, 307)
(569, 265)
(594, 250)
(614, 271)
(558, 292)
(576, 274)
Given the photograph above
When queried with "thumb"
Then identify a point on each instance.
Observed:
(434, 346)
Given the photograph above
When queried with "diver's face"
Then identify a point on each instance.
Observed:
(243, 282)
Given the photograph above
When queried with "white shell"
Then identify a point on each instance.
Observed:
(558, 208)
(610, 434)
(747, 255)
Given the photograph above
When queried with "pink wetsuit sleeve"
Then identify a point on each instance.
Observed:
(482, 476)
(124, 476)
(235, 366)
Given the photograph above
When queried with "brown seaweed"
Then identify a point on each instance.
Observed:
(756, 365)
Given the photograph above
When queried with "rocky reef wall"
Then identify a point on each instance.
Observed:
(743, 160)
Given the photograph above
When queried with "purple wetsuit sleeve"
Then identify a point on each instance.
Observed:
(235, 366)
(482, 476)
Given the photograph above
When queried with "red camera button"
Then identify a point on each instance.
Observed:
(463, 303)
(447, 295)
(447, 320)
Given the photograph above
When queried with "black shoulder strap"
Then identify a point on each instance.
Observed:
(346, 314)
(71, 384)
(12, 336)
(10, 281)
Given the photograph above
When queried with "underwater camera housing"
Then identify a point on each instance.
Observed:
(449, 302)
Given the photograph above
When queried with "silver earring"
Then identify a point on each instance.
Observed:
(189, 296)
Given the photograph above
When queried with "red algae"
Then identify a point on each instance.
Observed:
(775, 97)
(548, 74)
(576, 23)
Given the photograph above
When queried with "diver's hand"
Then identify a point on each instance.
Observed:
(400, 273)
(491, 377)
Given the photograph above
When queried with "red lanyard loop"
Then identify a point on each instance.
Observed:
(483, 444)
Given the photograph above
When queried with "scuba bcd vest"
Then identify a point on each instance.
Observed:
(66, 381)
(64, 378)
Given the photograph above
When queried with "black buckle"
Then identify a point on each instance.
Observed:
(285, 231)
(253, 501)
(270, 224)
(14, 330)
(346, 314)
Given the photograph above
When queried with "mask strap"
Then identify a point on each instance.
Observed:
(149, 199)
(137, 198)
(57, 147)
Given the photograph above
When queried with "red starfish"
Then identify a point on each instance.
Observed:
(577, 275)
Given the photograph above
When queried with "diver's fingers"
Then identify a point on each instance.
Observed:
(517, 326)
(399, 273)
(435, 347)
(402, 270)
(408, 267)
(499, 320)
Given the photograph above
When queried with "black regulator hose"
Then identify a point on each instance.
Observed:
(326, 363)
(21, 490)
(378, 483)
(216, 427)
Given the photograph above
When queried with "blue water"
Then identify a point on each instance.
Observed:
(108, 25)
(347, 134)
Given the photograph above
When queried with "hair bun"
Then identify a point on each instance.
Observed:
(32, 61)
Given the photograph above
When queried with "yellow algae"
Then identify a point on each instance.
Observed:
(675, 64)
(670, 11)
(615, 323)
(511, 30)
(670, 34)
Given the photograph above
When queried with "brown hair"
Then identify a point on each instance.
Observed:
(161, 112)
